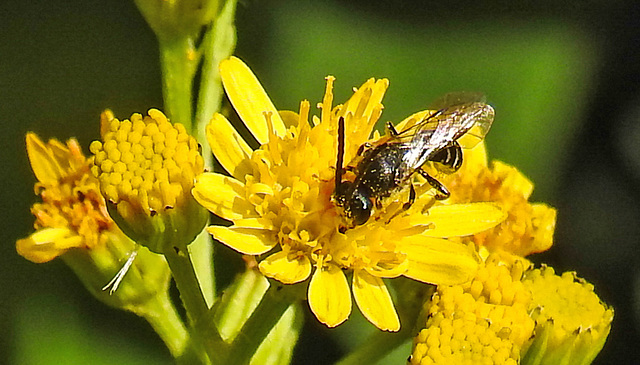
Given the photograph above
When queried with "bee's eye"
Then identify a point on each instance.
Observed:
(360, 208)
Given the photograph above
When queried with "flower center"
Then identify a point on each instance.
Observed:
(148, 161)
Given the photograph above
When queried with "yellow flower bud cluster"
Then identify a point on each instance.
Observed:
(572, 323)
(147, 162)
(72, 222)
(147, 168)
(482, 322)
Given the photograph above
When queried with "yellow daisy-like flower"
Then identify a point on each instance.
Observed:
(279, 198)
(72, 213)
(72, 222)
(528, 228)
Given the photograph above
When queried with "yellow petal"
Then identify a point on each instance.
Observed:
(249, 241)
(228, 146)
(388, 264)
(249, 99)
(43, 162)
(46, 244)
(222, 195)
(374, 301)
(257, 222)
(286, 269)
(513, 178)
(290, 118)
(438, 261)
(460, 219)
(475, 157)
(329, 296)
(412, 120)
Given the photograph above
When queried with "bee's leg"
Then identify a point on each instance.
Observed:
(407, 205)
(392, 130)
(412, 198)
(363, 147)
(441, 192)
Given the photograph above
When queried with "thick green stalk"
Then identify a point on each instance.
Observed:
(187, 282)
(191, 295)
(218, 44)
(162, 316)
(202, 256)
(179, 62)
(269, 311)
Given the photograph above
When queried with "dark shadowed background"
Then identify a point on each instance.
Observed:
(564, 78)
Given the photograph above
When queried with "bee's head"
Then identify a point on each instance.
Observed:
(355, 203)
(358, 207)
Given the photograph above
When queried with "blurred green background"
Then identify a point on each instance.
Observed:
(562, 76)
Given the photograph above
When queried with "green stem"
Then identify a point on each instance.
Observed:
(269, 311)
(187, 282)
(376, 347)
(179, 62)
(218, 44)
(162, 316)
(194, 301)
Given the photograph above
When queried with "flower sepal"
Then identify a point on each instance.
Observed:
(146, 278)
(171, 229)
(175, 18)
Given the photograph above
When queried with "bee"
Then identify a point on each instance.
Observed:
(387, 166)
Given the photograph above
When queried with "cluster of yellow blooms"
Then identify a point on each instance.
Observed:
(499, 313)
(482, 321)
(72, 222)
(490, 306)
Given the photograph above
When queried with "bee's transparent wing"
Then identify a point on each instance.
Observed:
(457, 98)
(450, 109)
(483, 119)
(449, 124)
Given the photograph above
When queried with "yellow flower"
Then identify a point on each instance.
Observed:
(484, 321)
(511, 313)
(72, 213)
(572, 324)
(72, 222)
(279, 199)
(146, 168)
(528, 228)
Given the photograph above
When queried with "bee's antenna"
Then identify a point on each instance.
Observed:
(340, 158)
